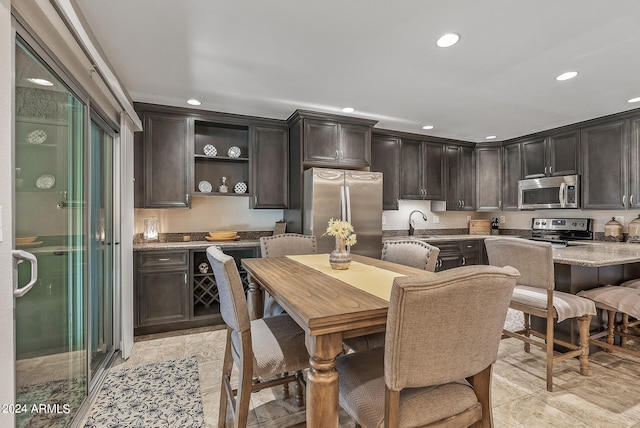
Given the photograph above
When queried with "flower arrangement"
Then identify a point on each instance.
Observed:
(343, 232)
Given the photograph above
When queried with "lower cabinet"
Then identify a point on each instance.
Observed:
(177, 290)
(458, 253)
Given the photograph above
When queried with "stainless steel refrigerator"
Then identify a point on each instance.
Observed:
(355, 196)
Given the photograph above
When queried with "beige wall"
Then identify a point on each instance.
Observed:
(210, 213)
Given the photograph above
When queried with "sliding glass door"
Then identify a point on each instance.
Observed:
(101, 247)
(64, 228)
(50, 318)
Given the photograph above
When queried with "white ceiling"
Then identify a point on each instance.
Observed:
(270, 57)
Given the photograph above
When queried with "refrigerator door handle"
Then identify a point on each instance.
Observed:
(21, 256)
(348, 206)
(343, 203)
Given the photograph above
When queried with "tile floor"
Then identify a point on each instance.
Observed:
(608, 397)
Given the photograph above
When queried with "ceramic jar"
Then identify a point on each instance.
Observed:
(613, 230)
(634, 230)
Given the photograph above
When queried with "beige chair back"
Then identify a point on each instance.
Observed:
(233, 303)
(533, 259)
(445, 326)
(287, 244)
(412, 253)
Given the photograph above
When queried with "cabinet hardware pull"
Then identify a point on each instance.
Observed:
(631, 200)
(499, 204)
(187, 197)
(185, 278)
(164, 260)
(624, 200)
(463, 203)
(336, 155)
(545, 170)
(464, 261)
(255, 199)
(550, 170)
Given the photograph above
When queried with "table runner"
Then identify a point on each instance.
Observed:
(371, 279)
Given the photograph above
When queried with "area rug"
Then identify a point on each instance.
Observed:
(162, 395)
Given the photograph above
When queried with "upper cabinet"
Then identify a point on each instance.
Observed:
(331, 140)
(489, 180)
(606, 180)
(184, 152)
(460, 181)
(551, 156)
(166, 160)
(511, 174)
(270, 167)
(422, 170)
(385, 158)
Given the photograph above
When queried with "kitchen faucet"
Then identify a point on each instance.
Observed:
(411, 228)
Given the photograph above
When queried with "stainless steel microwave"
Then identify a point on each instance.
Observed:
(549, 192)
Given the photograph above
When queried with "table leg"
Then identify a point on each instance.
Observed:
(254, 299)
(322, 381)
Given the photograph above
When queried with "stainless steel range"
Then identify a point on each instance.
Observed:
(561, 231)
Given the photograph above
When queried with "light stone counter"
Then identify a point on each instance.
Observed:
(196, 245)
(439, 238)
(597, 254)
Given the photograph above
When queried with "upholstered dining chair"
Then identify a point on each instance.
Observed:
(409, 252)
(535, 294)
(263, 350)
(286, 244)
(435, 368)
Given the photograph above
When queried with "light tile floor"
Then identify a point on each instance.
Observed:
(608, 397)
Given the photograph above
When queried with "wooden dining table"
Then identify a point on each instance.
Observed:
(329, 310)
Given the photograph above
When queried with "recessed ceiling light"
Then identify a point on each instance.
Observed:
(41, 82)
(427, 127)
(193, 102)
(634, 100)
(490, 137)
(348, 110)
(448, 40)
(568, 75)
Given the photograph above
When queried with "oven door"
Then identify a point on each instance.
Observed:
(550, 192)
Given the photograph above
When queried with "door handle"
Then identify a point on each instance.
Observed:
(21, 256)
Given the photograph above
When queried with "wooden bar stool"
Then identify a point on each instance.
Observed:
(624, 300)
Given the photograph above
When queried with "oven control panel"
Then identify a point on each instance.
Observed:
(562, 224)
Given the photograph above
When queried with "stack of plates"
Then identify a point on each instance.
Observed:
(25, 240)
(222, 236)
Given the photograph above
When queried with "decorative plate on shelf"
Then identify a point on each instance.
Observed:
(234, 152)
(45, 181)
(36, 137)
(204, 186)
(210, 150)
(240, 187)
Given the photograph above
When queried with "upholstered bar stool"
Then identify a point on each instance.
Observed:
(613, 299)
(535, 295)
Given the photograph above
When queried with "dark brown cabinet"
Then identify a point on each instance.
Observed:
(489, 180)
(511, 174)
(270, 167)
(605, 150)
(422, 170)
(460, 179)
(458, 253)
(550, 156)
(385, 158)
(162, 288)
(331, 140)
(167, 160)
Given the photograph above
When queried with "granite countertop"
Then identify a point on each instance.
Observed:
(597, 253)
(195, 245)
(438, 238)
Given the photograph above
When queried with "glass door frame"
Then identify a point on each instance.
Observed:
(110, 129)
